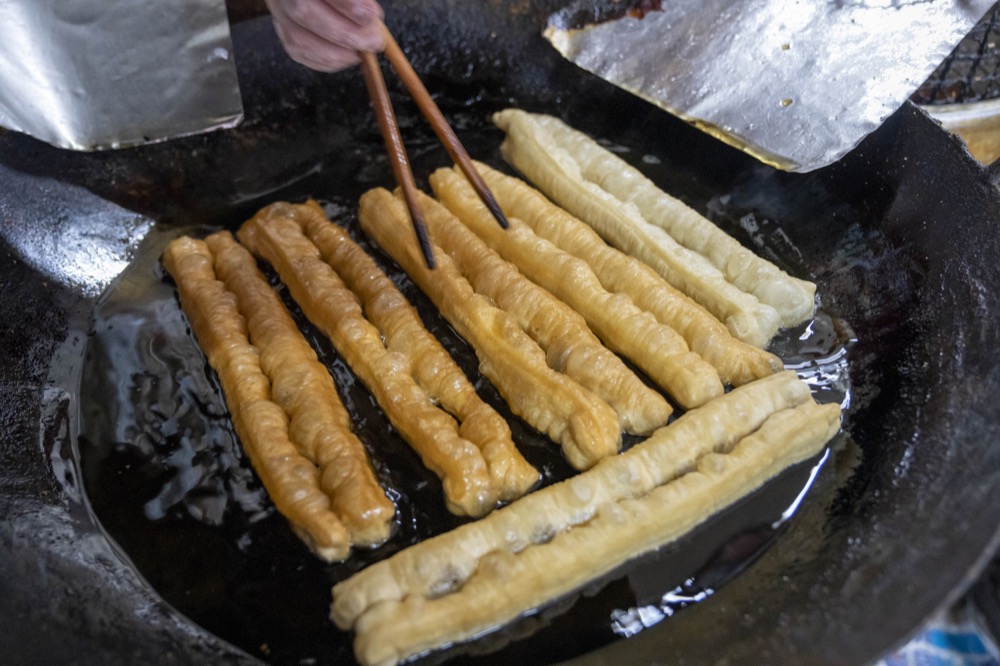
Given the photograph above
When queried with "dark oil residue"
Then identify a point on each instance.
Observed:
(169, 482)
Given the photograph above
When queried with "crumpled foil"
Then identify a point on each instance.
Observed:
(92, 74)
(797, 84)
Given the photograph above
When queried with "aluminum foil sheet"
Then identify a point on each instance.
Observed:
(92, 74)
(795, 83)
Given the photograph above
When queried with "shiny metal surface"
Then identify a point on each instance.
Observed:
(796, 84)
(93, 74)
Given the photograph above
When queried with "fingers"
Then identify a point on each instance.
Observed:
(327, 34)
(362, 12)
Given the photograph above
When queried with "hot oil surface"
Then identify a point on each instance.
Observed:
(169, 482)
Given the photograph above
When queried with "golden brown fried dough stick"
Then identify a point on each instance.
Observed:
(507, 582)
(570, 347)
(532, 147)
(433, 368)
(319, 425)
(655, 348)
(290, 479)
(736, 361)
(454, 451)
(585, 426)
(443, 563)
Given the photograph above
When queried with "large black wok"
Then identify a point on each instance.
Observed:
(901, 236)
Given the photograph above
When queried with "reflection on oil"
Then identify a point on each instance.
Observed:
(732, 558)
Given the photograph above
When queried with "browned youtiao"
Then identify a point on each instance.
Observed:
(585, 426)
(736, 361)
(319, 425)
(570, 346)
(300, 488)
(420, 388)
(655, 348)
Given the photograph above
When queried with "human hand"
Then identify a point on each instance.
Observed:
(327, 34)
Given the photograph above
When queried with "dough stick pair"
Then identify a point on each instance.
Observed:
(420, 388)
(282, 401)
(636, 334)
(444, 563)
(585, 426)
(397, 611)
(736, 361)
(752, 297)
(570, 346)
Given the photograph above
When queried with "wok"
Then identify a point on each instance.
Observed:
(901, 237)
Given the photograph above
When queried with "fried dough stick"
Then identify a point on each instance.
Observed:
(585, 426)
(657, 349)
(290, 479)
(319, 425)
(507, 582)
(433, 366)
(531, 147)
(736, 361)
(409, 373)
(791, 297)
(570, 347)
(438, 565)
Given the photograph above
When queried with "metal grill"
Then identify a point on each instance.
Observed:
(971, 73)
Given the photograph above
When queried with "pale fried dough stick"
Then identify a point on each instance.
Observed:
(791, 297)
(290, 479)
(507, 582)
(531, 147)
(736, 361)
(454, 451)
(585, 426)
(441, 564)
(570, 347)
(319, 425)
(657, 349)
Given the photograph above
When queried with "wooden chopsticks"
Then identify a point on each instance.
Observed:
(437, 121)
(394, 147)
(394, 142)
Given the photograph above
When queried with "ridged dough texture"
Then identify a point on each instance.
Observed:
(569, 344)
(548, 544)
(614, 267)
(636, 334)
(750, 295)
(551, 402)
(628, 278)
(282, 401)
(416, 383)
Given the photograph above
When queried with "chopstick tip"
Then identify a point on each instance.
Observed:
(423, 240)
(494, 208)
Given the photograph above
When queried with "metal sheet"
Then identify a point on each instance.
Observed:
(91, 74)
(796, 84)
